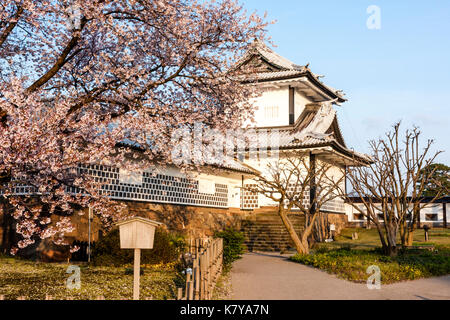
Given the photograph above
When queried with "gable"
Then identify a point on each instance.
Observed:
(257, 64)
(335, 131)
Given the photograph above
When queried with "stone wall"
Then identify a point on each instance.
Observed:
(340, 220)
(189, 220)
(195, 222)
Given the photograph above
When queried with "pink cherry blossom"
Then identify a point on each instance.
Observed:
(78, 77)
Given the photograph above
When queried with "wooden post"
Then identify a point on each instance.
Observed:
(206, 269)
(444, 214)
(191, 290)
(180, 294)
(188, 280)
(137, 273)
(202, 277)
(196, 275)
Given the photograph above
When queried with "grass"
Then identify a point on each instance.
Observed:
(349, 259)
(369, 239)
(223, 290)
(37, 280)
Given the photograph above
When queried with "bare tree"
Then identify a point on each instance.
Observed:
(288, 181)
(389, 190)
(416, 161)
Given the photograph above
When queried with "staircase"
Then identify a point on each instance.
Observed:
(266, 232)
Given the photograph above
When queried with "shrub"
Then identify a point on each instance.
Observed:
(233, 246)
(166, 249)
(352, 264)
(321, 249)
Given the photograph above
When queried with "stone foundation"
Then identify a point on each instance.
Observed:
(193, 222)
(340, 220)
(189, 220)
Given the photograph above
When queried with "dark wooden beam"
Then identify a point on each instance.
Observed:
(291, 105)
(444, 204)
(312, 183)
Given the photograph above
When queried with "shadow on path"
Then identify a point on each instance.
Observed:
(271, 276)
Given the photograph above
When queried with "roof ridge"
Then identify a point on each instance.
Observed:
(275, 58)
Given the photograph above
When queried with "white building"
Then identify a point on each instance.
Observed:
(295, 109)
(294, 112)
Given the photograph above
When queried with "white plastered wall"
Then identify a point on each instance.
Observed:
(271, 97)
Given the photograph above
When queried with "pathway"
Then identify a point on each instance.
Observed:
(266, 276)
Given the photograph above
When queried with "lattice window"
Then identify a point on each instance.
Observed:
(154, 188)
(335, 205)
(271, 112)
(305, 198)
(249, 199)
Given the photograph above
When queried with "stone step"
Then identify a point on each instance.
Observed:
(295, 220)
(268, 225)
(275, 219)
(266, 232)
(271, 240)
(269, 245)
(273, 237)
(254, 240)
(272, 223)
(268, 248)
(273, 231)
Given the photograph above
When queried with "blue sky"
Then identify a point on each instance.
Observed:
(399, 72)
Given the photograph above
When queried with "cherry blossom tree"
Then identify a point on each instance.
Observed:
(89, 81)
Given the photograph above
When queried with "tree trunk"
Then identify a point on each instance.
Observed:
(9, 232)
(391, 236)
(322, 227)
(407, 229)
(409, 240)
(299, 245)
(4, 227)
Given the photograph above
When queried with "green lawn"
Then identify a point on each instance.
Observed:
(36, 280)
(368, 239)
(349, 259)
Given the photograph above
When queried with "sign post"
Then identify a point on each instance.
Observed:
(137, 233)
(136, 273)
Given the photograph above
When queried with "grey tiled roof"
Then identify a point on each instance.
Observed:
(275, 58)
(275, 75)
(286, 68)
(236, 165)
(290, 139)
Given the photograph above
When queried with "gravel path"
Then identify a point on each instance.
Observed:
(265, 276)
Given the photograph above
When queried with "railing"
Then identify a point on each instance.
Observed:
(206, 268)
